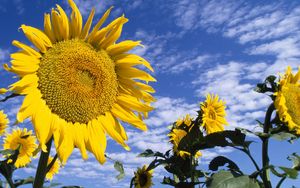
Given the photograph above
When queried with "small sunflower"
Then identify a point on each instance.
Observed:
(25, 142)
(3, 122)
(54, 169)
(213, 114)
(143, 178)
(287, 101)
(78, 84)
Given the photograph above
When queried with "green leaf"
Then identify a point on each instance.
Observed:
(226, 179)
(28, 180)
(283, 136)
(150, 153)
(222, 139)
(291, 173)
(119, 167)
(168, 181)
(221, 161)
(295, 158)
(7, 152)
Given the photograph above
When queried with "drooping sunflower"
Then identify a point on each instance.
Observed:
(78, 84)
(54, 169)
(143, 178)
(213, 114)
(3, 122)
(25, 142)
(287, 100)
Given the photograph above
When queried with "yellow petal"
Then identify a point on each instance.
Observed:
(76, 20)
(108, 122)
(122, 47)
(41, 120)
(132, 60)
(29, 51)
(133, 103)
(3, 90)
(98, 25)
(87, 25)
(128, 116)
(135, 73)
(25, 85)
(96, 142)
(48, 28)
(114, 34)
(28, 106)
(37, 37)
(79, 134)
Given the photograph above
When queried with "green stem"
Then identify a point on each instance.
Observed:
(9, 97)
(280, 182)
(10, 183)
(42, 167)
(265, 145)
(192, 167)
(253, 161)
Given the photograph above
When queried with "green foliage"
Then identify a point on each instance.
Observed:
(226, 179)
(119, 167)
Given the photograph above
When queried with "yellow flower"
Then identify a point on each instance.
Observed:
(78, 84)
(176, 136)
(25, 142)
(143, 178)
(213, 114)
(54, 169)
(3, 122)
(287, 101)
(187, 120)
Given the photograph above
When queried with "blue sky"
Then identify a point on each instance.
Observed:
(196, 47)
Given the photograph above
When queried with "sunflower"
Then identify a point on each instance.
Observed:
(25, 142)
(176, 136)
(213, 114)
(287, 100)
(3, 122)
(53, 170)
(143, 178)
(79, 84)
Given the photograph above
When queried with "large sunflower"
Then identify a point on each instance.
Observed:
(25, 142)
(79, 83)
(3, 122)
(287, 101)
(143, 178)
(213, 114)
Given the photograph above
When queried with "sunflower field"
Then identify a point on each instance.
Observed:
(86, 103)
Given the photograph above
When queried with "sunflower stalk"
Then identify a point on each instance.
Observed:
(42, 167)
(265, 144)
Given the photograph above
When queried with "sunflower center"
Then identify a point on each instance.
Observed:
(212, 113)
(292, 97)
(77, 82)
(143, 179)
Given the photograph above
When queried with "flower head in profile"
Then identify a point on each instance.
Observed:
(213, 114)
(80, 82)
(143, 178)
(54, 168)
(287, 99)
(3, 122)
(25, 142)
